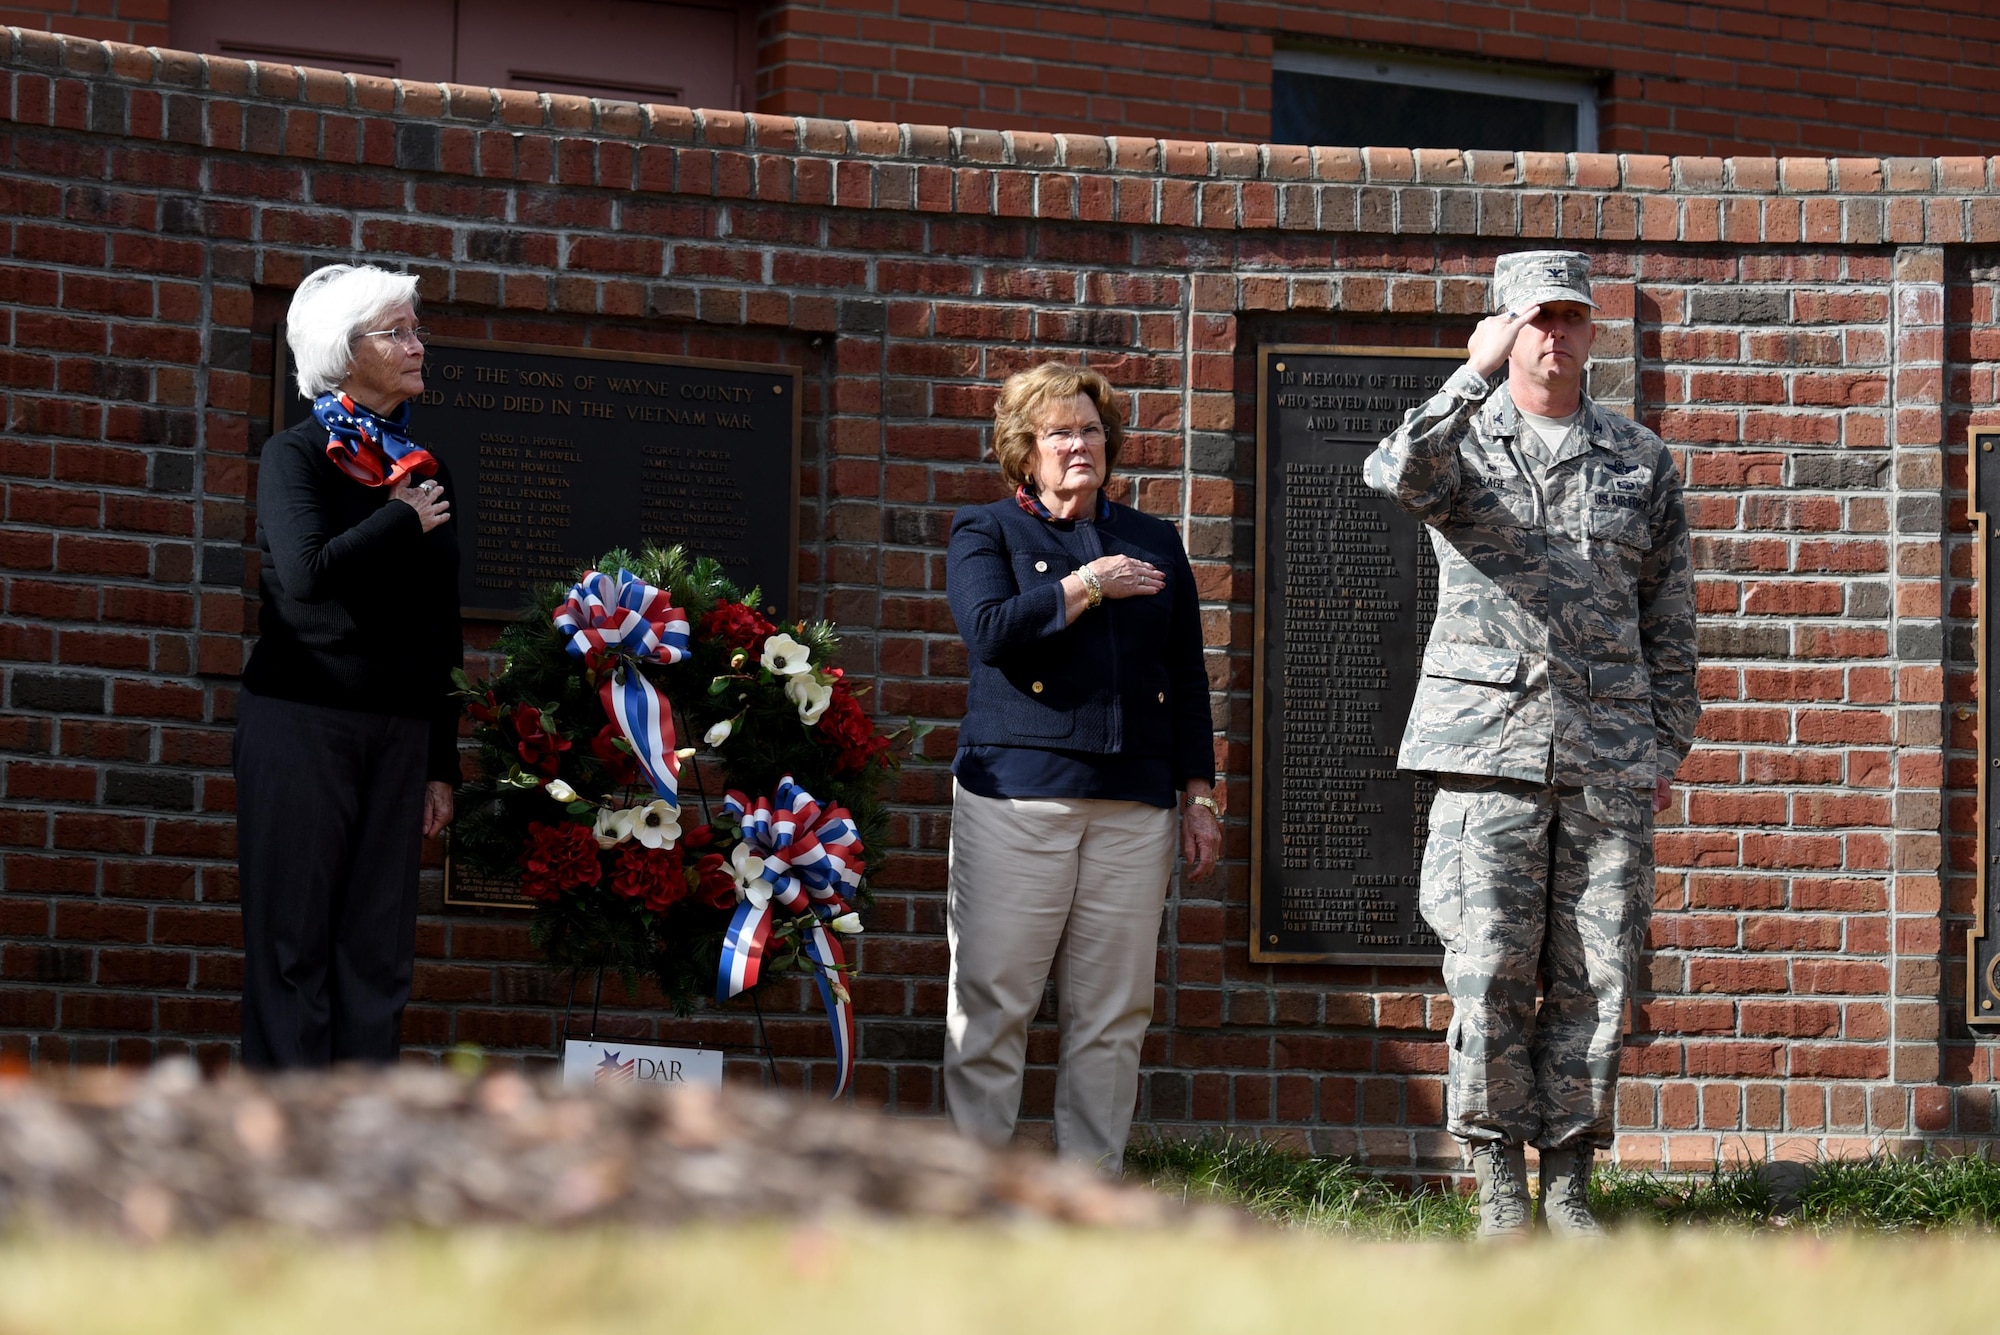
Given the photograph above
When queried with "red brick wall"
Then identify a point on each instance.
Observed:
(1812, 335)
(1714, 79)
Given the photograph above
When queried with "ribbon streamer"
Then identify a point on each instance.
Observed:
(632, 622)
(812, 857)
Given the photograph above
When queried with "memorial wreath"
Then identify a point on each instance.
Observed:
(580, 749)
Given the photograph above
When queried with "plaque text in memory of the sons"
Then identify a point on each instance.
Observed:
(559, 455)
(1346, 589)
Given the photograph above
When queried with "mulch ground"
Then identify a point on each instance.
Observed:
(166, 1153)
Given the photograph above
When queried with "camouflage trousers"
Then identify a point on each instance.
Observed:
(1533, 887)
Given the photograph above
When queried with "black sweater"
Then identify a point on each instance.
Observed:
(360, 604)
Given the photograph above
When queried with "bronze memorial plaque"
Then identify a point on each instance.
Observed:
(560, 454)
(1346, 589)
(1982, 946)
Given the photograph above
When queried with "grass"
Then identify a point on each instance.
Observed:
(925, 1280)
(1899, 1195)
(1331, 1196)
(1349, 1257)
(1283, 1187)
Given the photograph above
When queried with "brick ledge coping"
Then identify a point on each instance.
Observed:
(462, 105)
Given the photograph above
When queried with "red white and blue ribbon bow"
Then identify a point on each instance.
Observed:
(633, 622)
(811, 859)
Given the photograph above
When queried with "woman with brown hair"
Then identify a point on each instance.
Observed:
(1087, 721)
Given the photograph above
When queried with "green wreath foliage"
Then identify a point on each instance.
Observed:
(541, 719)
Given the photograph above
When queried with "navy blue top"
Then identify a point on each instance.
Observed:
(1030, 771)
(1112, 705)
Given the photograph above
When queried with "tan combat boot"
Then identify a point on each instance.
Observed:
(1502, 1172)
(1566, 1194)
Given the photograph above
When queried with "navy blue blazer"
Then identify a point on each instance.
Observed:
(1124, 678)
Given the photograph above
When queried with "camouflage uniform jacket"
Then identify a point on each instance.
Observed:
(1563, 650)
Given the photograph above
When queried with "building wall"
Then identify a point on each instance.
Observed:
(1811, 335)
(1712, 79)
(1739, 76)
(140, 22)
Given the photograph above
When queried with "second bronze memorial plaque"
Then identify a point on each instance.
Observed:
(1346, 589)
(1982, 946)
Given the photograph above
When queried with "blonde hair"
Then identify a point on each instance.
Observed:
(1027, 394)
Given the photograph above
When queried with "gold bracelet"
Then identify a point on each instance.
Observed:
(1214, 807)
(1093, 592)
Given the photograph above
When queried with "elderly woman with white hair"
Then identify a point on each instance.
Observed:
(346, 735)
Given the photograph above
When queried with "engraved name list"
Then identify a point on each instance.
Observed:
(1347, 588)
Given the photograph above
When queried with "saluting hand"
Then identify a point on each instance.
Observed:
(1492, 342)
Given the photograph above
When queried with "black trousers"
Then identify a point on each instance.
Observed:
(329, 826)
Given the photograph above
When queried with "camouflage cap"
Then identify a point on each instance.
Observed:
(1530, 277)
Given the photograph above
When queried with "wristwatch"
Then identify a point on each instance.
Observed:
(1214, 807)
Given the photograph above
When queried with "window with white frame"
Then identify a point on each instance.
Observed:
(1358, 100)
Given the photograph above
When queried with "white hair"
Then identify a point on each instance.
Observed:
(333, 307)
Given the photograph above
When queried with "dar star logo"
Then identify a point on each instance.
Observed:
(611, 1071)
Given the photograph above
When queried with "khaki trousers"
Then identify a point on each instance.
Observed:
(1073, 885)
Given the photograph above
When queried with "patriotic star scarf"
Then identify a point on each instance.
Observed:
(375, 451)
(1032, 503)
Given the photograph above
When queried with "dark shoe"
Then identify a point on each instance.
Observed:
(1502, 1172)
(1566, 1194)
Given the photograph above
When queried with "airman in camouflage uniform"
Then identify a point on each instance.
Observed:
(1556, 701)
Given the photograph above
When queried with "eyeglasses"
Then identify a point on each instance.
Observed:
(1089, 435)
(401, 334)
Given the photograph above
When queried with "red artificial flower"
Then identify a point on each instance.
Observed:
(851, 731)
(487, 710)
(737, 626)
(651, 875)
(714, 887)
(558, 858)
(620, 765)
(539, 750)
(699, 836)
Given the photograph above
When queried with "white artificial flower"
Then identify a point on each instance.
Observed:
(786, 656)
(613, 827)
(560, 791)
(848, 924)
(719, 734)
(748, 869)
(810, 694)
(657, 824)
